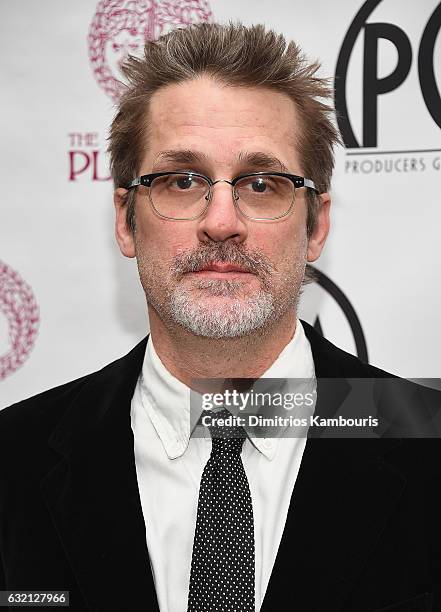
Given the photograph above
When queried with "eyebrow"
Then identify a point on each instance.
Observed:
(261, 160)
(184, 156)
(256, 160)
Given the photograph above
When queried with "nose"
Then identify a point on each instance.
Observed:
(222, 221)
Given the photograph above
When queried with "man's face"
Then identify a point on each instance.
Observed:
(221, 275)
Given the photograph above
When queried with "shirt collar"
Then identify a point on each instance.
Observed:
(166, 399)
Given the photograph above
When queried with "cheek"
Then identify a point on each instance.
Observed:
(178, 237)
(282, 243)
(162, 240)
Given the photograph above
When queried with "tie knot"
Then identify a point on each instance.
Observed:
(226, 436)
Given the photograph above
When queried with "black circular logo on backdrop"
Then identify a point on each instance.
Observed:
(348, 310)
(373, 85)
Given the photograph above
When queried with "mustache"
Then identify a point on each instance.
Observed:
(252, 260)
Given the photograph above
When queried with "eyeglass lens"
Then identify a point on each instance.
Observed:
(184, 196)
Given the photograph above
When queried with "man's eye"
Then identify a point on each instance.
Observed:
(259, 185)
(184, 182)
(256, 185)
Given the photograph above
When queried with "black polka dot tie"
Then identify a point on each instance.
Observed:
(222, 564)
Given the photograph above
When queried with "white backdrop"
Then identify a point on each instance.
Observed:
(70, 303)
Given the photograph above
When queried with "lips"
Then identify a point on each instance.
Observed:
(223, 267)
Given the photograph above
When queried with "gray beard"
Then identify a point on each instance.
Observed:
(238, 317)
(190, 307)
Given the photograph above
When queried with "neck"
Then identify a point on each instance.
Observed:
(187, 356)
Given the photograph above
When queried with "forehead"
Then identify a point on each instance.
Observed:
(222, 121)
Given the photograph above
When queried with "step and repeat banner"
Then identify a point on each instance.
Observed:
(70, 302)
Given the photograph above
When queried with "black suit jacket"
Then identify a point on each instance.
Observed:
(363, 531)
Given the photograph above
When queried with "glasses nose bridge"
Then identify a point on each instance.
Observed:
(221, 181)
(213, 183)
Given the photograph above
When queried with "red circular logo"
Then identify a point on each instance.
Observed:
(17, 302)
(121, 27)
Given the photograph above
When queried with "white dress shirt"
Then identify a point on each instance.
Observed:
(169, 465)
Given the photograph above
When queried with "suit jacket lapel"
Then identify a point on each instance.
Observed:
(344, 493)
(92, 493)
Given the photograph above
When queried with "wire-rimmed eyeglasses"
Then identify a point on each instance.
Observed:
(260, 196)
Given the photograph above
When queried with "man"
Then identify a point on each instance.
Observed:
(221, 153)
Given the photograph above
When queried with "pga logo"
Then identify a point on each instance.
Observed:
(329, 310)
(374, 86)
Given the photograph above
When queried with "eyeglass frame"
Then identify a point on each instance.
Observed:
(147, 179)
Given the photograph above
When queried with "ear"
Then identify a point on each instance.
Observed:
(123, 233)
(318, 237)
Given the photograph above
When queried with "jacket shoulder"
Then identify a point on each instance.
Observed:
(41, 410)
(332, 361)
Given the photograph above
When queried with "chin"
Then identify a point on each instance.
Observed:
(222, 316)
